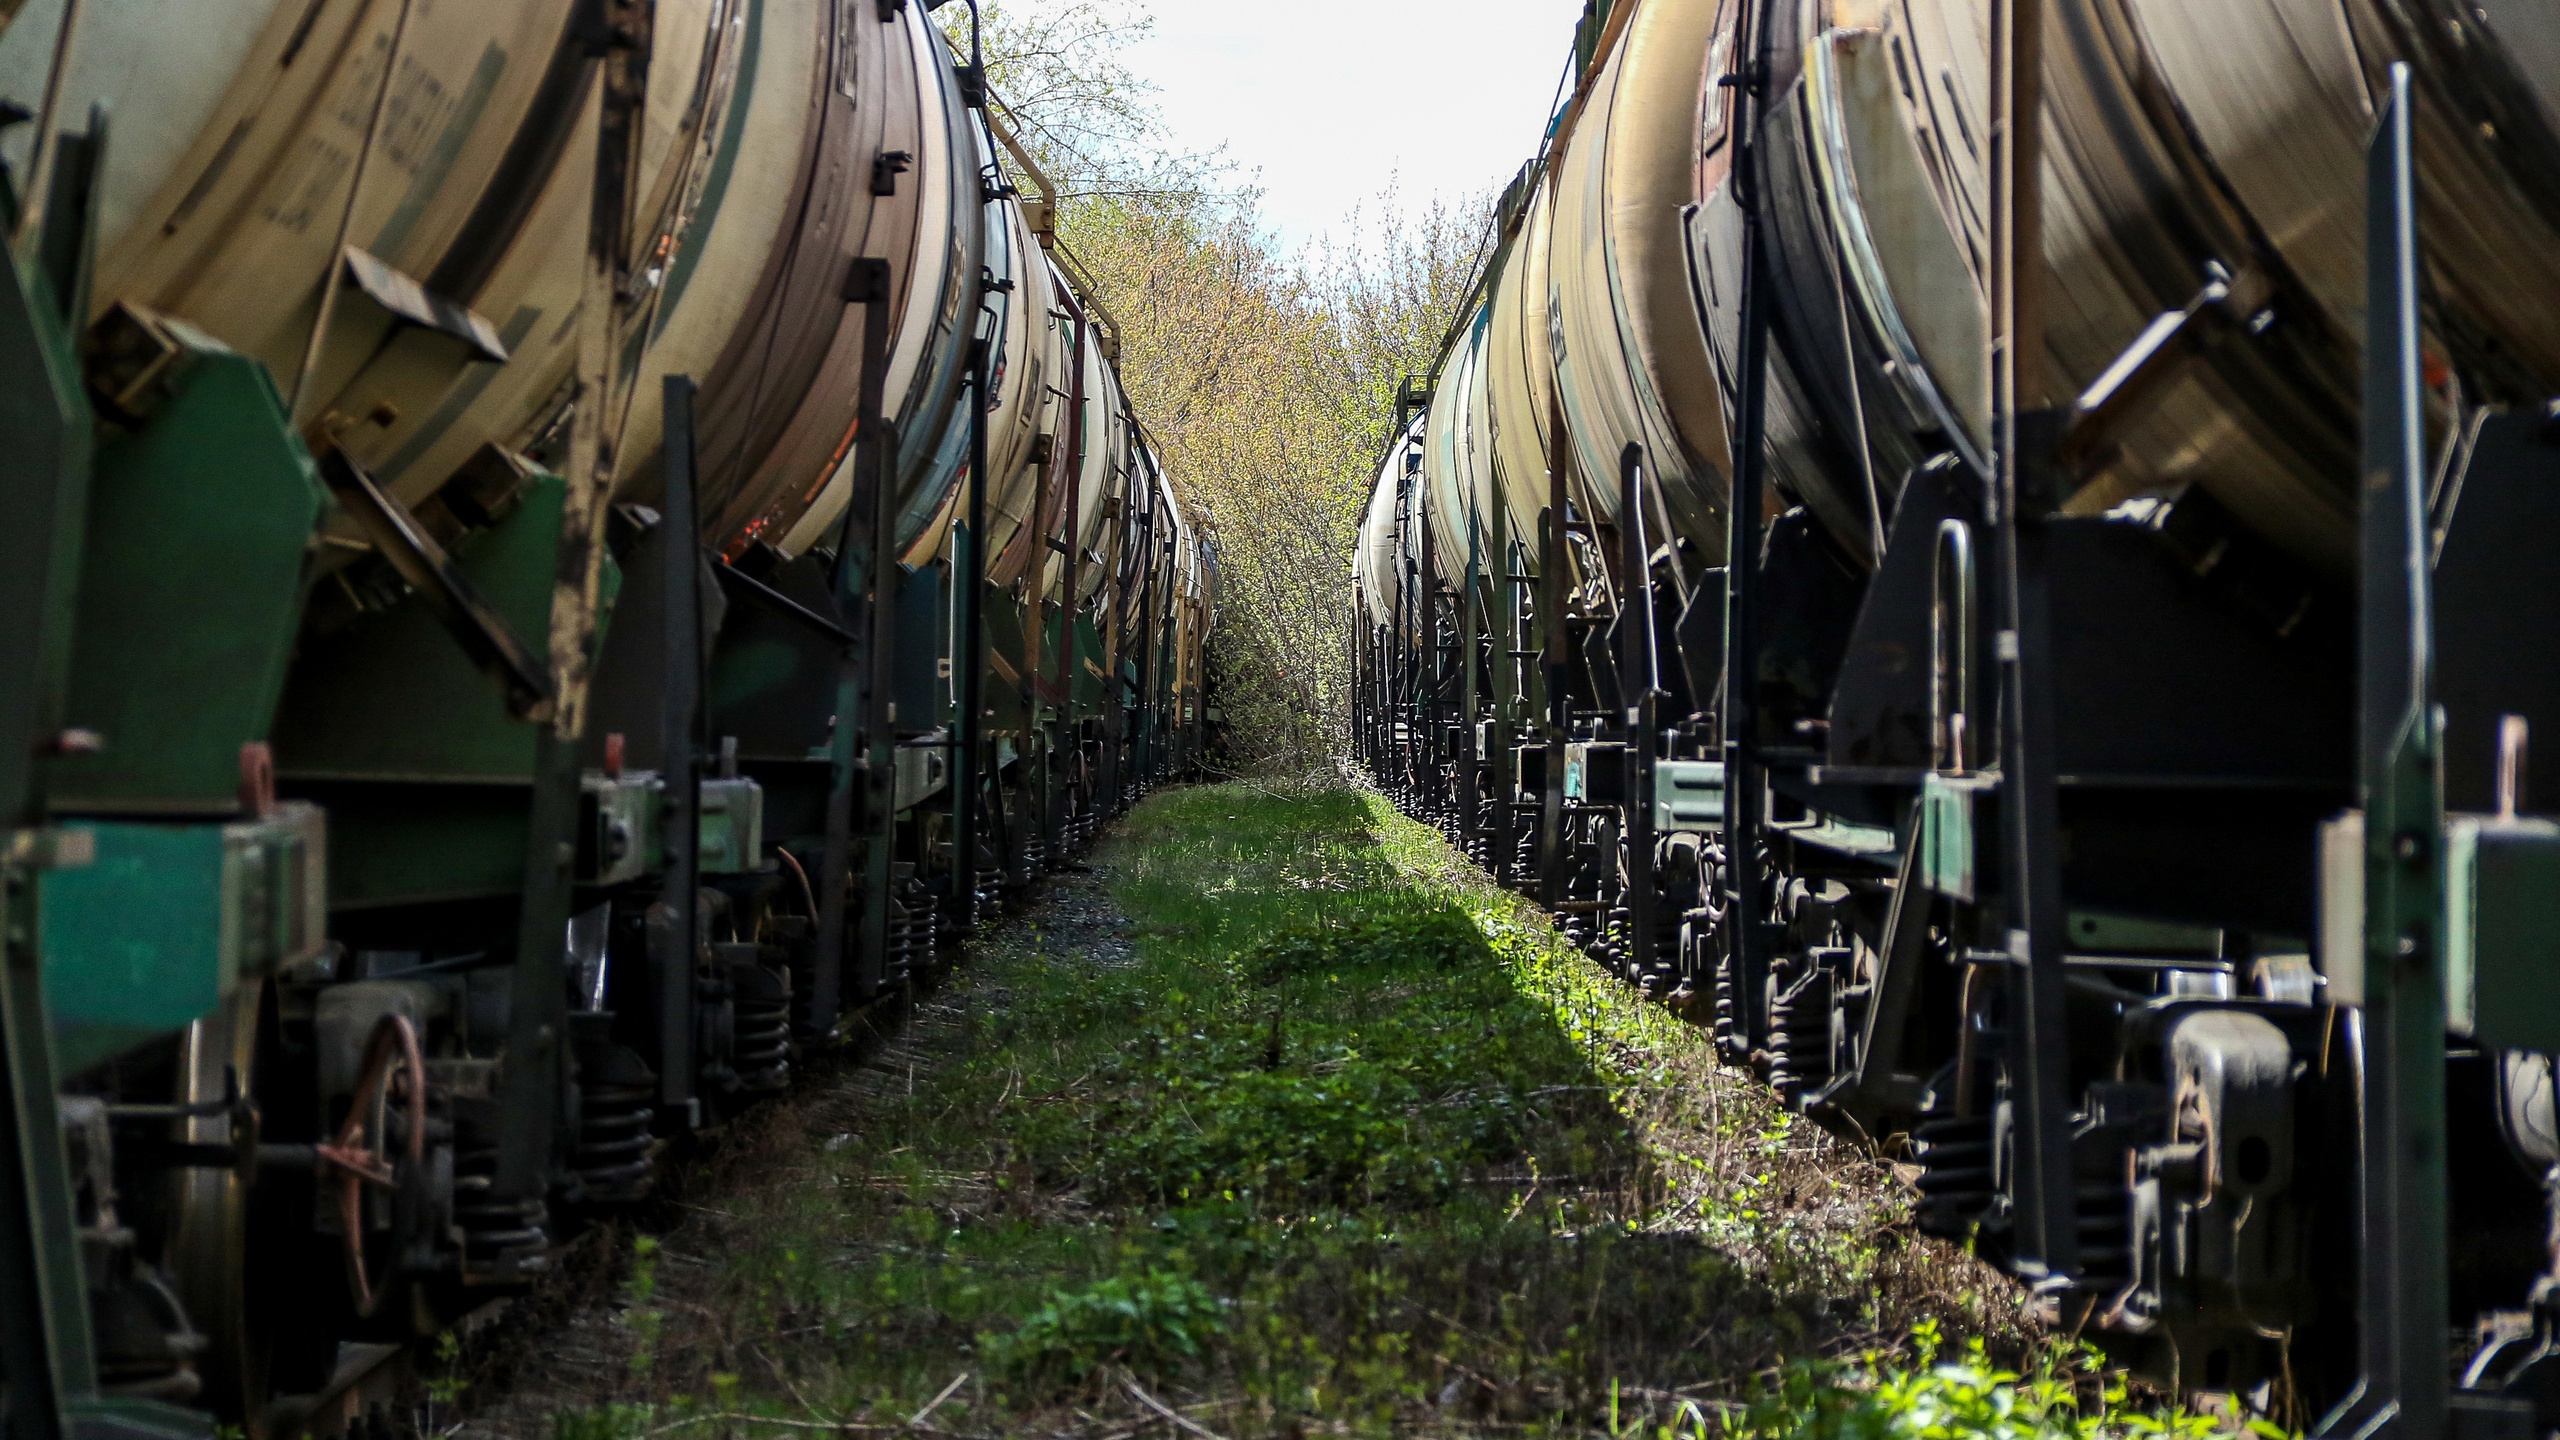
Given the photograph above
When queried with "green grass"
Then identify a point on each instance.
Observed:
(1354, 1145)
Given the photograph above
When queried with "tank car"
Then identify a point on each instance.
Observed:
(561, 554)
(1982, 551)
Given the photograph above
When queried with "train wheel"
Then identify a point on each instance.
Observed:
(226, 1228)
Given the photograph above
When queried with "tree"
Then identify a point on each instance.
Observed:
(1265, 380)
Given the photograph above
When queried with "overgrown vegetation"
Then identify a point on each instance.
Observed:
(1352, 1143)
(1266, 378)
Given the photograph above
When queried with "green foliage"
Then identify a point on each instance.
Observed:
(1395, 935)
(1060, 80)
(638, 1290)
(604, 1422)
(2067, 1396)
(1151, 1322)
(1266, 378)
(445, 1385)
(1352, 1143)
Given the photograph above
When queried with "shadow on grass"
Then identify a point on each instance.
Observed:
(1350, 1143)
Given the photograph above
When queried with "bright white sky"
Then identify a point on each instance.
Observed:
(1329, 99)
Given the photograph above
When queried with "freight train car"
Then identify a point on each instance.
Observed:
(1996, 552)
(557, 555)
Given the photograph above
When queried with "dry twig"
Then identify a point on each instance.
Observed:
(1179, 1419)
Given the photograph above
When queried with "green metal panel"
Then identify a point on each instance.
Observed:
(924, 648)
(190, 591)
(1949, 812)
(775, 663)
(426, 777)
(167, 919)
(392, 697)
(732, 827)
(44, 470)
(999, 697)
(2502, 942)
(1688, 795)
(113, 986)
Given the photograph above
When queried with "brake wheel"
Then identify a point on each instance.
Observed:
(362, 1156)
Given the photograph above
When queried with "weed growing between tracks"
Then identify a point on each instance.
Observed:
(1352, 1143)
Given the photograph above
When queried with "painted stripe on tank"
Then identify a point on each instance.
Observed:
(438, 165)
(724, 162)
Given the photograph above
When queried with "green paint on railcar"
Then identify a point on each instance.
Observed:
(426, 776)
(190, 591)
(166, 920)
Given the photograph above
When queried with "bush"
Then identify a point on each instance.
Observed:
(1151, 1323)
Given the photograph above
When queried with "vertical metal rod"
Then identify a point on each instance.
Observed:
(879, 722)
(1110, 720)
(2021, 497)
(680, 735)
(1470, 698)
(2403, 1254)
(1503, 783)
(1428, 661)
(1359, 675)
(968, 730)
(44, 1327)
(1382, 649)
(1150, 546)
(867, 285)
(538, 1005)
(530, 1129)
(1399, 709)
(1070, 731)
(40, 159)
(1639, 685)
(1744, 794)
(1035, 749)
(1553, 656)
(1160, 645)
(1368, 647)
(1409, 640)
(330, 279)
(1161, 640)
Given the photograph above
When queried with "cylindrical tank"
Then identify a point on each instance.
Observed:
(1520, 376)
(1112, 469)
(2181, 136)
(1373, 560)
(1036, 367)
(1453, 506)
(240, 132)
(1011, 323)
(937, 303)
(1630, 362)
